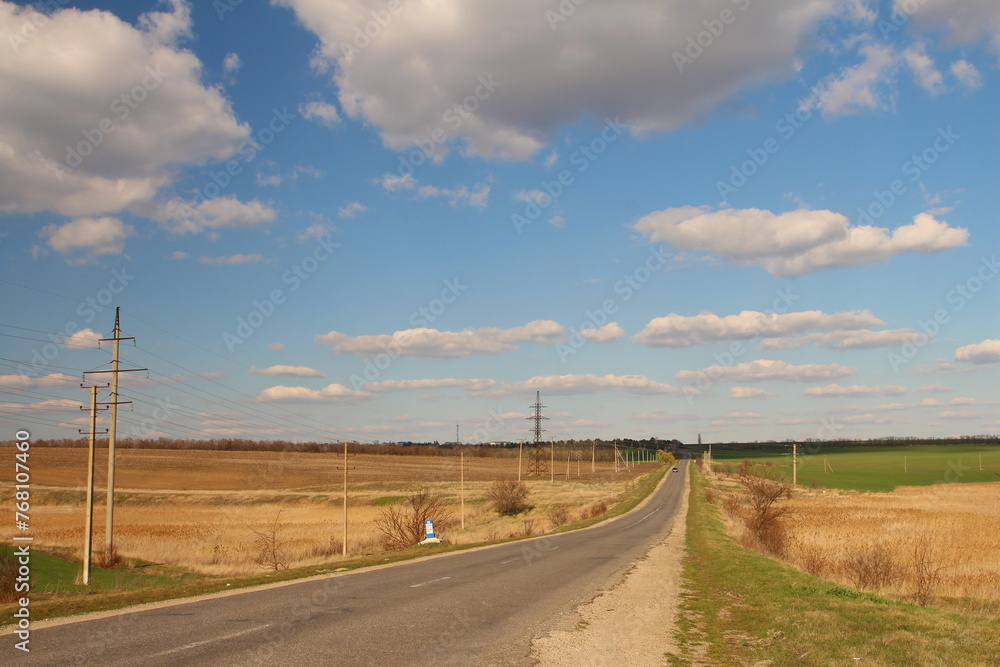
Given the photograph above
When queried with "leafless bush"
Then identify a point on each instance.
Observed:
(104, 561)
(762, 491)
(333, 547)
(597, 509)
(8, 574)
(814, 560)
(925, 574)
(270, 547)
(402, 523)
(559, 515)
(509, 497)
(871, 568)
(527, 527)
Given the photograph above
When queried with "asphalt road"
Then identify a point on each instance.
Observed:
(479, 607)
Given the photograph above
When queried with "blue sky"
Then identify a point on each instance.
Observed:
(375, 220)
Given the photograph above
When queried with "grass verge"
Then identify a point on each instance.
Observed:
(53, 593)
(741, 608)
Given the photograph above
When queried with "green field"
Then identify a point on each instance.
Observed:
(875, 468)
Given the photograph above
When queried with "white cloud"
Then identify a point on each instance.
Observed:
(85, 239)
(331, 392)
(83, 339)
(854, 390)
(72, 142)
(866, 86)
(987, 352)
(854, 339)
(924, 71)
(394, 183)
(551, 159)
(234, 259)
(966, 21)
(61, 404)
(323, 113)
(767, 370)
(479, 197)
(351, 209)
(609, 333)
(532, 196)
(797, 242)
(425, 342)
(682, 331)
(314, 231)
(269, 180)
(231, 64)
(277, 347)
(436, 56)
(939, 367)
(935, 389)
(50, 380)
(589, 384)
(748, 392)
(293, 371)
(966, 73)
(181, 217)
(470, 384)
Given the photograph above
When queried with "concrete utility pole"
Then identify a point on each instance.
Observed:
(344, 547)
(520, 446)
(89, 525)
(552, 461)
(109, 538)
(593, 456)
(461, 464)
(795, 467)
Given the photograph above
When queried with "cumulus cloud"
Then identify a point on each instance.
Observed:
(675, 330)
(50, 380)
(987, 352)
(470, 384)
(83, 339)
(864, 87)
(855, 390)
(322, 113)
(281, 369)
(855, 339)
(434, 57)
(766, 370)
(609, 333)
(425, 342)
(182, 217)
(797, 242)
(107, 128)
(331, 392)
(83, 240)
(748, 392)
(590, 384)
(351, 209)
(966, 74)
(231, 64)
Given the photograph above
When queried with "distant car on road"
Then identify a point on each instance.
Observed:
(675, 469)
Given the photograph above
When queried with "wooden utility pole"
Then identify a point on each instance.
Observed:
(109, 537)
(344, 547)
(89, 524)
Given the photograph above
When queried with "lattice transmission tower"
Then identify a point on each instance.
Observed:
(538, 466)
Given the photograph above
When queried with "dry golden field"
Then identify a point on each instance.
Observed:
(199, 509)
(939, 540)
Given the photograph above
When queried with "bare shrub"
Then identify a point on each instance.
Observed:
(925, 573)
(527, 527)
(597, 509)
(270, 547)
(871, 568)
(402, 524)
(333, 547)
(762, 491)
(559, 515)
(814, 560)
(8, 574)
(106, 562)
(509, 497)
(772, 538)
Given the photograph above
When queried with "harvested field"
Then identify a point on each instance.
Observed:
(200, 509)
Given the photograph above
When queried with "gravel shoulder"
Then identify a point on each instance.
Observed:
(631, 624)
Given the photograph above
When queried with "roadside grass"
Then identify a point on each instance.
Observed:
(876, 468)
(741, 608)
(54, 594)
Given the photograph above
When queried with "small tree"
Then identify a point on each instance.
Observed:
(666, 458)
(762, 514)
(402, 523)
(270, 547)
(509, 497)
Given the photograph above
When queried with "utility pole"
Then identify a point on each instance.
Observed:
(616, 456)
(552, 461)
(536, 464)
(109, 537)
(461, 459)
(593, 456)
(344, 547)
(795, 467)
(89, 529)
(457, 439)
(567, 465)
(520, 446)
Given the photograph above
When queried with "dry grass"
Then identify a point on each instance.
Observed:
(918, 542)
(200, 510)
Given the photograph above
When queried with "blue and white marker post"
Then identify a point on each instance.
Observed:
(429, 532)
